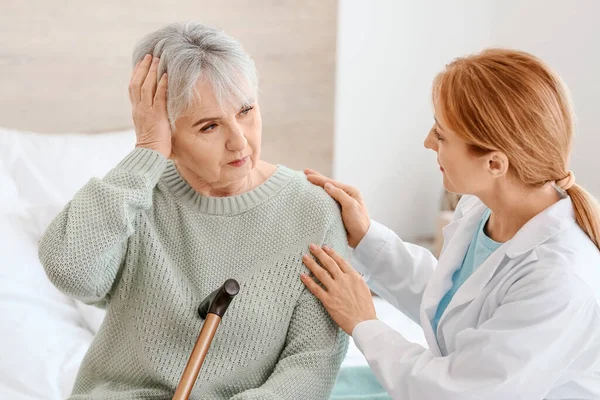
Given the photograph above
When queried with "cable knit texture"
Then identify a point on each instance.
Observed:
(147, 247)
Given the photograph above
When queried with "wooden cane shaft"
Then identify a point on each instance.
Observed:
(194, 364)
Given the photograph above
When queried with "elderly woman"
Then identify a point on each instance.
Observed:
(192, 205)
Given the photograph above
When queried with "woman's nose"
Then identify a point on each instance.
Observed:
(237, 141)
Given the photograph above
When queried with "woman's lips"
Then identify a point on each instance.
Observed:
(239, 163)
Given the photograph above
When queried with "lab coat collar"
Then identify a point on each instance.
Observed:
(536, 231)
(542, 227)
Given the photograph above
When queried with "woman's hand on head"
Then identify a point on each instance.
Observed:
(149, 107)
(354, 212)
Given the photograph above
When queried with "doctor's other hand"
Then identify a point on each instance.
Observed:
(344, 294)
(148, 98)
(354, 212)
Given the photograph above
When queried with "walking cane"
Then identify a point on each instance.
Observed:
(212, 310)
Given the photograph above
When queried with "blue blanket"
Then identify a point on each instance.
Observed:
(358, 383)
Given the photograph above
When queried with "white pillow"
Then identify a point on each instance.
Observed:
(50, 168)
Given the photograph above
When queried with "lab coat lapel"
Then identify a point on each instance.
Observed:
(477, 282)
(457, 237)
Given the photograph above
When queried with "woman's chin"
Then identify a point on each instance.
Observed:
(448, 185)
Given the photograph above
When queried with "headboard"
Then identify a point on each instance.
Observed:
(66, 64)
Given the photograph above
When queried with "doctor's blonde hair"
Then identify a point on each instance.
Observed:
(511, 101)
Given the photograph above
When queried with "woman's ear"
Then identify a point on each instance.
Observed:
(497, 163)
(174, 149)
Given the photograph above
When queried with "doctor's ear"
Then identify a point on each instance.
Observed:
(497, 163)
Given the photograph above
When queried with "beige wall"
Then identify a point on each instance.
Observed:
(65, 65)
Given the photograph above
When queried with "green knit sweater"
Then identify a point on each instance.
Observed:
(147, 247)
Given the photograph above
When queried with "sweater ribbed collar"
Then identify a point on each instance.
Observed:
(226, 205)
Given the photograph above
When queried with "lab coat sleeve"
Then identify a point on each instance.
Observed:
(395, 270)
(543, 324)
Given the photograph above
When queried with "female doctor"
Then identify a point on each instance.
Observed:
(511, 310)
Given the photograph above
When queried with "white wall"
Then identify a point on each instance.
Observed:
(565, 34)
(388, 53)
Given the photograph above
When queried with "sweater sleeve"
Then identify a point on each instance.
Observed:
(83, 248)
(315, 347)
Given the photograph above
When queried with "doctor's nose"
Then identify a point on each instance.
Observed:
(430, 141)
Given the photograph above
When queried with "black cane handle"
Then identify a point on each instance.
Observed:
(218, 301)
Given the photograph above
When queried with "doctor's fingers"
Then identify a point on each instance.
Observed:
(327, 262)
(314, 288)
(319, 179)
(321, 274)
(341, 261)
(347, 202)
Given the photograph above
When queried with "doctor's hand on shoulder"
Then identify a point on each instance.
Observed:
(343, 291)
(354, 212)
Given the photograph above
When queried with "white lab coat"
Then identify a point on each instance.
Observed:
(525, 325)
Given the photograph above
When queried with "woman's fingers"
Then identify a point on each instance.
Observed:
(149, 107)
(340, 261)
(321, 274)
(137, 65)
(160, 98)
(137, 79)
(130, 87)
(150, 82)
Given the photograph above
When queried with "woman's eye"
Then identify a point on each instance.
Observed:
(208, 128)
(437, 135)
(246, 111)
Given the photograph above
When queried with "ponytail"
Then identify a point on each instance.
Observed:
(587, 212)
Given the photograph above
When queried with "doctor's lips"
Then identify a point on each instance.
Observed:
(240, 162)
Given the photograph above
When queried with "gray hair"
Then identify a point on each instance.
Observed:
(191, 52)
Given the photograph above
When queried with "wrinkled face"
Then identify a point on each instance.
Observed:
(218, 146)
(464, 172)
